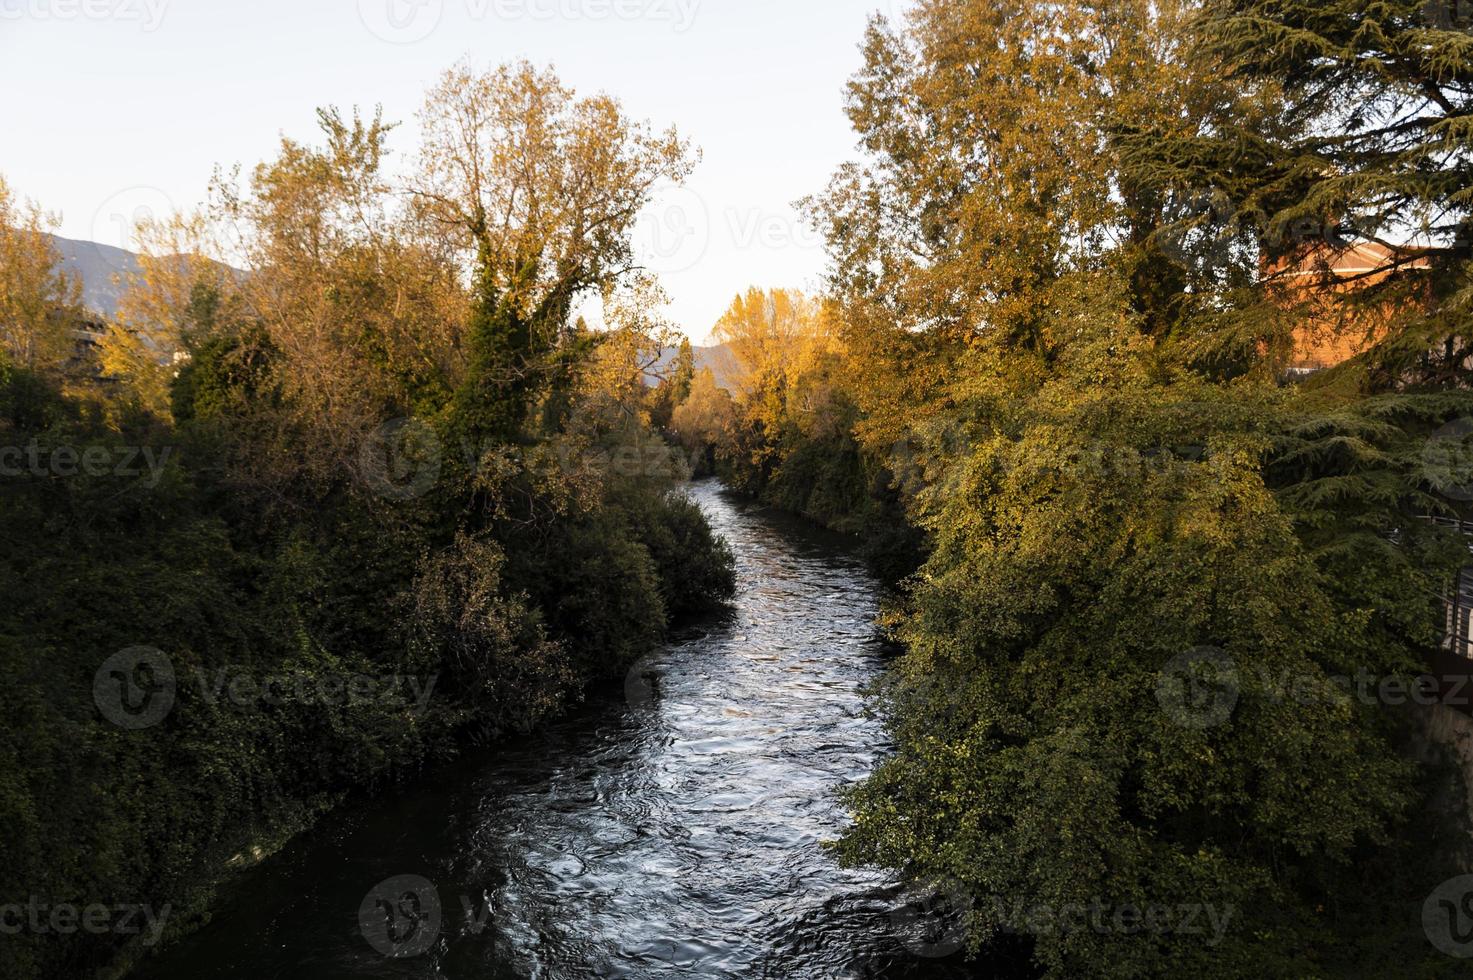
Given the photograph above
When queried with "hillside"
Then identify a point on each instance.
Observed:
(717, 357)
(103, 270)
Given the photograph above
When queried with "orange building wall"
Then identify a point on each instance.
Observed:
(1326, 340)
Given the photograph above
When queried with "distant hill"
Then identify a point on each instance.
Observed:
(103, 270)
(717, 357)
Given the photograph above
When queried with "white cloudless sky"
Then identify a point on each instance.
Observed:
(113, 108)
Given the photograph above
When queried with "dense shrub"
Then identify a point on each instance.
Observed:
(466, 629)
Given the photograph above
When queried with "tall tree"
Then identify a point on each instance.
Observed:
(178, 297)
(39, 303)
(988, 172)
(1358, 156)
(1122, 508)
(676, 387)
(541, 190)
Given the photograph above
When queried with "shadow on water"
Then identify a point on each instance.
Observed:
(675, 830)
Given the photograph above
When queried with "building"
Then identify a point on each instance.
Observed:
(1331, 337)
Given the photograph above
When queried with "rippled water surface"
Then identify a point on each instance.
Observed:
(671, 832)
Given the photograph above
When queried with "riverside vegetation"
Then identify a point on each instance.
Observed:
(1068, 275)
(395, 515)
(1045, 383)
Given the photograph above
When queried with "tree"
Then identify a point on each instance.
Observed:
(627, 355)
(702, 422)
(1076, 357)
(1351, 152)
(179, 297)
(675, 388)
(40, 304)
(683, 374)
(764, 331)
(1098, 538)
(368, 318)
(1368, 145)
(541, 190)
(307, 513)
(990, 170)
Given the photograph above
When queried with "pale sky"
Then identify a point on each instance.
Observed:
(116, 107)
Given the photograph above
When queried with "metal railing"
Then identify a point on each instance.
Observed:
(1458, 629)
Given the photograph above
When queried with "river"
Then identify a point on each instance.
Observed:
(675, 831)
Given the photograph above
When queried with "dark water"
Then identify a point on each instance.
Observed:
(672, 832)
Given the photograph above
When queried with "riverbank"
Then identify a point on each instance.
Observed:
(675, 829)
(200, 666)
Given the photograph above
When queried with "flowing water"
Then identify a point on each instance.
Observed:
(675, 831)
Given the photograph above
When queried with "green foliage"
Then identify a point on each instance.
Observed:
(1072, 360)
(494, 648)
(674, 390)
(380, 524)
(695, 567)
(492, 402)
(1087, 533)
(830, 479)
(461, 616)
(611, 578)
(224, 375)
